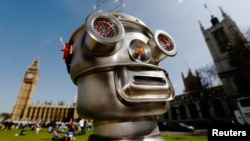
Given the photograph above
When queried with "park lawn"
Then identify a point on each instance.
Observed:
(170, 137)
(10, 135)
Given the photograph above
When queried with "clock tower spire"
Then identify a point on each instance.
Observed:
(26, 92)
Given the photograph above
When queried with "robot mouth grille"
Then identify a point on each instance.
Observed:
(145, 80)
(105, 27)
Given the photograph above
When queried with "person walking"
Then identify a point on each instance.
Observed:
(82, 126)
(37, 128)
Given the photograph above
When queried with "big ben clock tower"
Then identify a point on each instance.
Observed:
(26, 92)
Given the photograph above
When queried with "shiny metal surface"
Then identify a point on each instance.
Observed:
(137, 84)
(120, 85)
(98, 99)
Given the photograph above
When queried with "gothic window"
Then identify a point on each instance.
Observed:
(38, 111)
(166, 116)
(33, 113)
(218, 108)
(193, 111)
(28, 113)
(222, 40)
(183, 112)
(205, 109)
(173, 113)
(43, 112)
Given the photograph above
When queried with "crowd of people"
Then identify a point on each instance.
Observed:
(63, 131)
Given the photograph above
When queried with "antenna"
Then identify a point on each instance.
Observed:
(61, 40)
(206, 7)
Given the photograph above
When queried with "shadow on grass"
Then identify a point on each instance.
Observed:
(177, 138)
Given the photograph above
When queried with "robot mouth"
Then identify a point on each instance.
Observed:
(135, 85)
(148, 80)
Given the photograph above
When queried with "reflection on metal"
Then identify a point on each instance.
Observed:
(114, 64)
(118, 6)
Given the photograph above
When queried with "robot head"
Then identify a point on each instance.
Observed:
(113, 59)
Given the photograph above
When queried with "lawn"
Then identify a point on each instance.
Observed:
(11, 135)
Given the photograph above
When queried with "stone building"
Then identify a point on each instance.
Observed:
(230, 51)
(25, 110)
(191, 82)
(231, 54)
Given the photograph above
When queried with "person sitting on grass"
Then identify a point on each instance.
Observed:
(22, 133)
(55, 134)
(70, 134)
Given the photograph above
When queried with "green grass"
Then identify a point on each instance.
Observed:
(9, 135)
(170, 137)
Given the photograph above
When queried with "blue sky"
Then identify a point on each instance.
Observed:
(31, 28)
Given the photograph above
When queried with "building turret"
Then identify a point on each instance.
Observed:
(192, 82)
(225, 41)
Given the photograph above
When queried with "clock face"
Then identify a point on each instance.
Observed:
(29, 75)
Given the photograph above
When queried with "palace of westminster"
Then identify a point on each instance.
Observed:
(230, 51)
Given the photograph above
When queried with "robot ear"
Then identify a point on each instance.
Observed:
(67, 55)
(163, 44)
(103, 32)
(66, 51)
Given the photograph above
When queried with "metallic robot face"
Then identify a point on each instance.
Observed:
(113, 59)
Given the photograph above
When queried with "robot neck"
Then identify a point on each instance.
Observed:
(132, 129)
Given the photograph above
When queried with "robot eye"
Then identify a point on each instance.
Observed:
(139, 51)
(103, 32)
(162, 45)
(165, 43)
(105, 28)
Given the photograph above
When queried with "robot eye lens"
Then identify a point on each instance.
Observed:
(139, 51)
(165, 43)
(105, 28)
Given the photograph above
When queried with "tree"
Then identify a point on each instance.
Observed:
(208, 76)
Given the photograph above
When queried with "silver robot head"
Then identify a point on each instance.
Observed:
(113, 59)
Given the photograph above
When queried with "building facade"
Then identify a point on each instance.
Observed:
(199, 106)
(231, 54)
(25, 110)
(230, 51)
